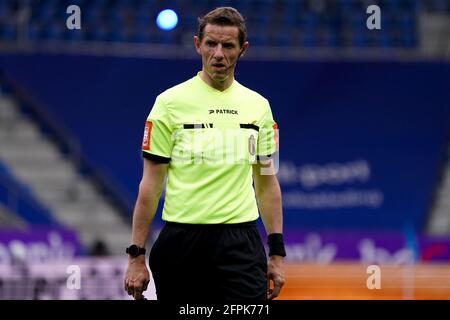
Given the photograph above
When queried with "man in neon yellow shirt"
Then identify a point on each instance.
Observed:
(212, 137)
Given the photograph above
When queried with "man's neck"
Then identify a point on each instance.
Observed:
(218, 85)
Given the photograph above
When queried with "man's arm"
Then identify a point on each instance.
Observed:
(150, 188)
(268, 196)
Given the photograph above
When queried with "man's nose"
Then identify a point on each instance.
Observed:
(218, 52)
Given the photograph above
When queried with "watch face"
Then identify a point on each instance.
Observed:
(133, 250)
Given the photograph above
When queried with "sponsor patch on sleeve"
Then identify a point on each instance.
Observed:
(276, 136)
(147, 134)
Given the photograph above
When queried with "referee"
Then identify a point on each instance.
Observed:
(213, 138)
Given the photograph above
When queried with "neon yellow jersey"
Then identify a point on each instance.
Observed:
(210, 139)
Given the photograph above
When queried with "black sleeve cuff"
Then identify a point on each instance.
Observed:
(263, 158)
(155, 158)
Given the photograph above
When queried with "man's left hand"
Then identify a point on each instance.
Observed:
(275, 274)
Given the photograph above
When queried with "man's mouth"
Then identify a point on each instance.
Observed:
(218, 65)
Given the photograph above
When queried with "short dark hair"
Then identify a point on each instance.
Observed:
(223, 16)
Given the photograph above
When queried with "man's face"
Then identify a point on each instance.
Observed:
(220, 50)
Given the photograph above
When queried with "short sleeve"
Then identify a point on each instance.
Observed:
(268, 134)
(157, 143)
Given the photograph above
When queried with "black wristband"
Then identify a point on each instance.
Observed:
(276, 244)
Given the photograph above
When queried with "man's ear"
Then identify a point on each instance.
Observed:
(244, 49)
(197, 44)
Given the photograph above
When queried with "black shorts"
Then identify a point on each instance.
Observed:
(209, 262)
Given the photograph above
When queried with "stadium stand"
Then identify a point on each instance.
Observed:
(14, 195)
(17, 198)
(286, 23)
(52, 181)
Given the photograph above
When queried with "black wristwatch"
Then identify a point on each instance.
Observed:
(135, 251)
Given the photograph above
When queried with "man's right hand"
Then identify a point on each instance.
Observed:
(137, 277)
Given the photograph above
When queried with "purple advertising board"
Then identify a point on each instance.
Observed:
(366, 247)
(38, 245)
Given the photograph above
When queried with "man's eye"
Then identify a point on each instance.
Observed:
(210, 43)
(228, 45)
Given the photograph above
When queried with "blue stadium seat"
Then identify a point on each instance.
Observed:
(141, 35)
(114, 17)
(46, 12)
(358, 22)
(75, 35)
(282, 39)
(33, 31)
(308, 40)
(289, 13)
(243, 6)
(359, 40)
(345, 5)
(5, 11)
(333, 40)
(98, 33)
(409, 40)
(257, 39)
(55, 31)
(384, 39)
(166, 37)
(8, 32)
(91, 15)
(259, 35)
(406, 22)
(121, 33)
